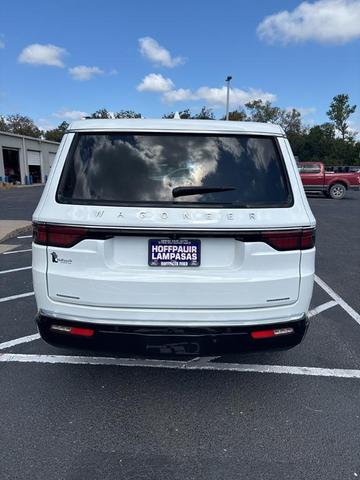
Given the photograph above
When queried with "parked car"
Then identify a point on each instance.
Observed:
(332, 184)
(173, 236)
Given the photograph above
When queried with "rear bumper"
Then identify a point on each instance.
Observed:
(150, 341)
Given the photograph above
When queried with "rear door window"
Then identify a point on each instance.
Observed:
(174, 170)
(311, 168)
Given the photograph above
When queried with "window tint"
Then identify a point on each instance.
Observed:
(118, 169)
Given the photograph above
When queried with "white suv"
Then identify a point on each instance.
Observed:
(175, 237)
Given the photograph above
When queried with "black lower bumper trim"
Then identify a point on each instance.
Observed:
(170, 341)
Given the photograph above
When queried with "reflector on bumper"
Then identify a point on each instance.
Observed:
(271, 333)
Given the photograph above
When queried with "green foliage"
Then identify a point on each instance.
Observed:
(3, 125)
(184, 114)
(127, 114)
(101, 113)
(320, 143)
(20, 124)
(204, 114)
(104, 113)
(290, 120)
(260, 111)
(238, 115)
(339, 112)
(56, 134)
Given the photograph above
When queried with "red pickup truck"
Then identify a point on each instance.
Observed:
(334, 185)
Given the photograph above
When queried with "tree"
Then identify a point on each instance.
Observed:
(56, 134)
(22, 125)
(238, 115)
(290, 120)
(101, 113)
(263, 111)
(127, 114)
(204, 114)
(184, 114)
(104, 113)
(339, 112)
(3, 124)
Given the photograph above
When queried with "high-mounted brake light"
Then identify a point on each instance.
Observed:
(58, 235)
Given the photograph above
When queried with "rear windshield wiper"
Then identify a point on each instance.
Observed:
(195, 190)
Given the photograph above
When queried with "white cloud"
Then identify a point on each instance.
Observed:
(2, 44)
(82, 72)
(179, 95)
(354, 127)
(157, 54)
(69, 114)
(45, 124)
(325, 21)
(155, 82)
(216, 97)
(306, 110)
(37, 54)
(303, 110)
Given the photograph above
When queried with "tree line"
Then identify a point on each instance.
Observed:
(332, 142)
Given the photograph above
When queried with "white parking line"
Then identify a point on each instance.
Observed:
(121, 362)
(19, 341)
(17, 251)
(322, 308)
(14, 270)
(25, 236)
(338, 299)
(15, 297)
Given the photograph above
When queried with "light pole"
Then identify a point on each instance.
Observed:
(227, 80)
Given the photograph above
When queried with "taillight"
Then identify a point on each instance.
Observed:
(58, 235)
(290, 239)
(64, 236)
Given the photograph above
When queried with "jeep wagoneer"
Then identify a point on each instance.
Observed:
(175, 237)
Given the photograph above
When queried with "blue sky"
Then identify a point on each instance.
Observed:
(61, 59)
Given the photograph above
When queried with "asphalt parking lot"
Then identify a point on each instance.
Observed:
(273, 415)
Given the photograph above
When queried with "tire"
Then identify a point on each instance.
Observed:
(337, 191)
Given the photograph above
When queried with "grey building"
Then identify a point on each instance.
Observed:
(25, 159)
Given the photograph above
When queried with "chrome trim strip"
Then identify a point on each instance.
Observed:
(195, 230)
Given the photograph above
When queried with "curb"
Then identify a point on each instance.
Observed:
(15, 232)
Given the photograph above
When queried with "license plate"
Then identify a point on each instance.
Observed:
(174, 253)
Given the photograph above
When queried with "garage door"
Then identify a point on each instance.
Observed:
(33, 157)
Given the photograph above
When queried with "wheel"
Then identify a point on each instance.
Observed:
(337, 191)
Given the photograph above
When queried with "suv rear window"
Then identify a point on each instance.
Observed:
(144, 169)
